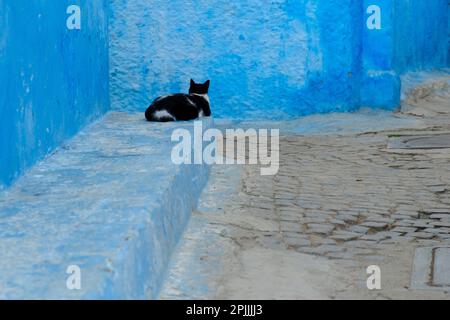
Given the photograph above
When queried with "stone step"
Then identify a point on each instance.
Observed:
(109, 202)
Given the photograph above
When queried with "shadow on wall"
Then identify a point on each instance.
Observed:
(278, 59)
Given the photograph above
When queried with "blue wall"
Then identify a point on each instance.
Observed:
(420, 34)
(274, 59)
(412, 37)
(52, 80)
(265, 59)
(448, 52)
(380, 86)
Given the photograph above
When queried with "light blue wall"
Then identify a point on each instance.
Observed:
(52, 80)
(274, 59)
(265, 59)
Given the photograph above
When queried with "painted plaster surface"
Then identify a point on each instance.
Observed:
(420, 34)
(53, 80)
(110, 201)
(273, 60)
(279, 60)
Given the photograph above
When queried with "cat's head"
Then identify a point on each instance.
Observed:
(199, 88)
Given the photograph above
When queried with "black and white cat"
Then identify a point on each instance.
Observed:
(181, 107)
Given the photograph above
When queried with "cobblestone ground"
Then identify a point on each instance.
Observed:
(348, 196)
(350, 199)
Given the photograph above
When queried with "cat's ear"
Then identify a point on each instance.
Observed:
(192, 82)
(207, 83)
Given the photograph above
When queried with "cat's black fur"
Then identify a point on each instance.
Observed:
(181, 107)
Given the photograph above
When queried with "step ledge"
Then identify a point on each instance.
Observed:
(111, 202)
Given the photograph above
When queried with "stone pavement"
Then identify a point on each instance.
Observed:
(347, 196)
(349, 199)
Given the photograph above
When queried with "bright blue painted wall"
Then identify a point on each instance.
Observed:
(274, 59)
(420, 34)
(265, 59)
(448, 19)
(380, 85)
(412, 37)
(52, 80)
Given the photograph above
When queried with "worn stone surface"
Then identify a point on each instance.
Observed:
(441, 266)
(431, 268)
(100, 202)
(345, 197)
